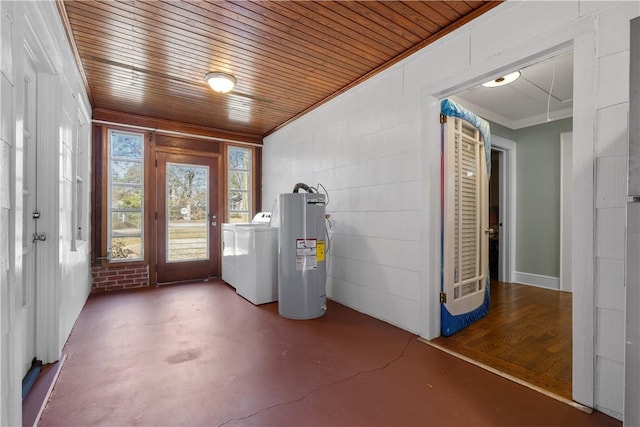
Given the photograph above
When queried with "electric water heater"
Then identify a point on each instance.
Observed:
(301, 255)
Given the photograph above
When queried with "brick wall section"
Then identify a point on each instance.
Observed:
(119, 276)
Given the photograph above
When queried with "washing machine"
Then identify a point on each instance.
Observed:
(250, 258)
(230, 248)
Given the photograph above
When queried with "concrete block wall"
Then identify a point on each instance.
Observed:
(365, 150)
(374, 151)
(610, 156)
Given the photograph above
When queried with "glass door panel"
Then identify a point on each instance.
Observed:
(187, 212)
(188, 236)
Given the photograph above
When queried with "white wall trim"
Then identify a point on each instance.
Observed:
(537, 280)
(566, 184)
(583, 217)
(431, 243)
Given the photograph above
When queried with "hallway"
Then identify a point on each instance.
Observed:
(198, 354)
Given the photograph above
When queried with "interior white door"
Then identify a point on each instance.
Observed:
(465, 222)
(29, 218)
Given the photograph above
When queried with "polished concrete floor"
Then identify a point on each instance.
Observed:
(200, 355)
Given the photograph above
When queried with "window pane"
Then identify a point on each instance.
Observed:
(238, 201)
(124, 197)
(239, 184)
(126, 248)
(188, 210)
(126, 145)
(239, 158)
(123, 172)
(126, 223)
(239, 217)
(238, 180)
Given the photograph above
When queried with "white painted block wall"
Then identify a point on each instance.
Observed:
(365, 150)
(373, 149)
(610, 199)
(65, 141)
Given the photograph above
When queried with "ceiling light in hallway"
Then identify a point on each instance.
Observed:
(504, 80)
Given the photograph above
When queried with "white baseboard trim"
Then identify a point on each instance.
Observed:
(538, 280)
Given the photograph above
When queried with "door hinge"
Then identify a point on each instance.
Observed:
(156, 216)
(443, 118)
(156, 162)
(443, 297)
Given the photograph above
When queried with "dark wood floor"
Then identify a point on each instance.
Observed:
(198, 354)
(527, 334)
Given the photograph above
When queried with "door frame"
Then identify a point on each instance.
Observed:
(507, 188)
(581, 36)
(566, 246)
(153, 188)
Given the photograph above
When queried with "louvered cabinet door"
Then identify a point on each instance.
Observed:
(465, 219)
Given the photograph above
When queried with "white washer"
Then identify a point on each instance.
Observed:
(229, 269)
(257, 263)
(250, 258)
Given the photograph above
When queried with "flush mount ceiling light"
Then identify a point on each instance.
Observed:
(504, 80)
(220, 82)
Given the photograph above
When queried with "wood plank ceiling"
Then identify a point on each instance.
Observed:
(149, 58)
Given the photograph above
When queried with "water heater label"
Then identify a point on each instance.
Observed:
(306, 254)
(306, 263)
(306, 246)
(320, 251)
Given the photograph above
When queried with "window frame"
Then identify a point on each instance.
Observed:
(108, 196)
(250, 192)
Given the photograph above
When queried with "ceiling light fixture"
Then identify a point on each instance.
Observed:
(220, 82)
(504, 80)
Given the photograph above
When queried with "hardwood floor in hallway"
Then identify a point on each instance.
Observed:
(527, 334)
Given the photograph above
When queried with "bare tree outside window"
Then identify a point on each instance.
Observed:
(126, 193)
(239, 178)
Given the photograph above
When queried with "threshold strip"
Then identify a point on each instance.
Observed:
(502, 374)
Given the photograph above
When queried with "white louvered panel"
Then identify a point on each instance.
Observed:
(468, 226)
(463, 217)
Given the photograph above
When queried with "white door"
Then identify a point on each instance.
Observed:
(465, 225)
(29, 198)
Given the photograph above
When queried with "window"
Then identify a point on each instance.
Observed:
(126, 195)
(80, 170)
(79, 211)
(239, 190)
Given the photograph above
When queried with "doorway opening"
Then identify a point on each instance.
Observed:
(515, 338)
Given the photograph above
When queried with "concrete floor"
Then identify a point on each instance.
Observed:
(200, 355)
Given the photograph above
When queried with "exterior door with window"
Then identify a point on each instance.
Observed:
(187, 228)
